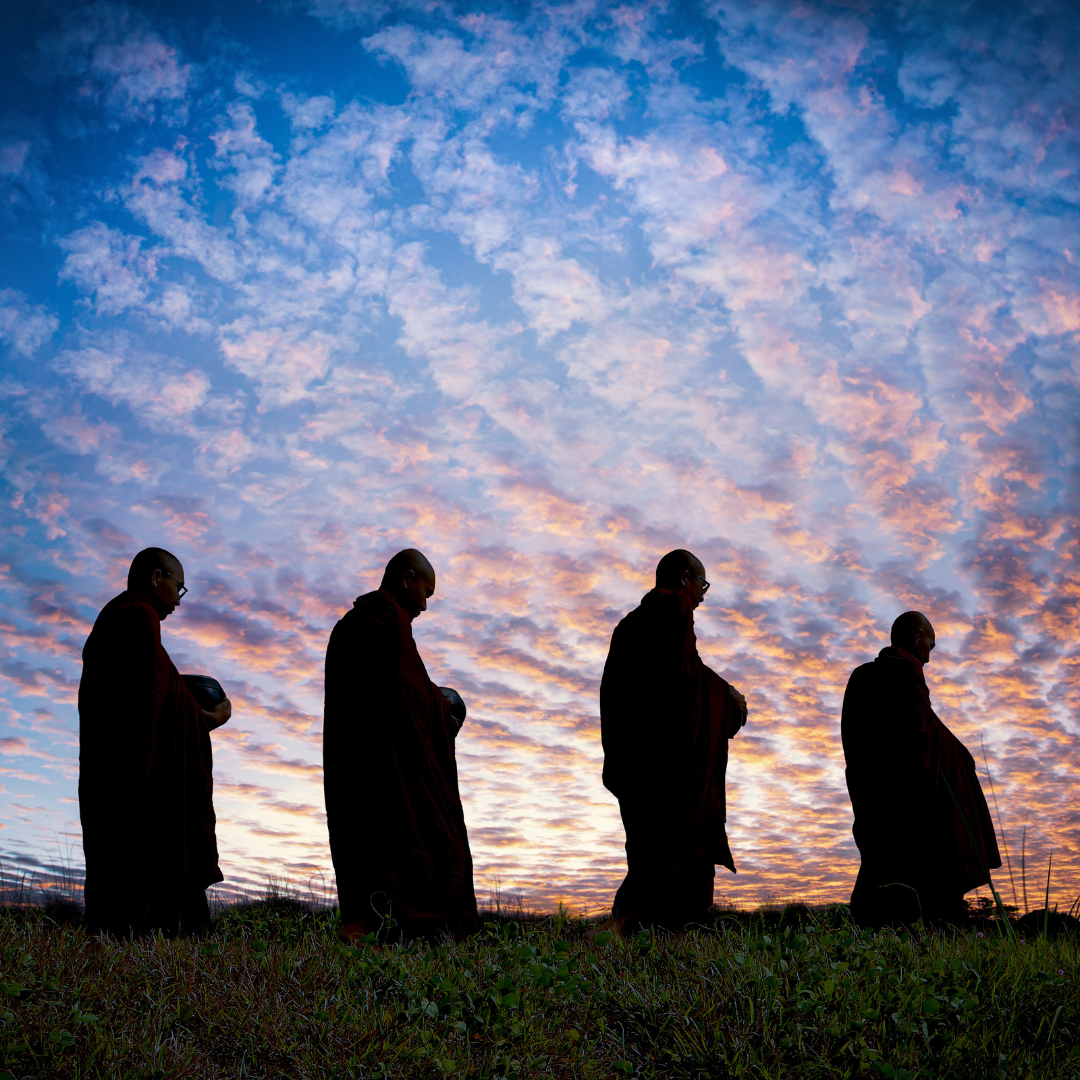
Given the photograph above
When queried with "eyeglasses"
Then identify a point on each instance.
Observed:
(181, 587)
(704, 583)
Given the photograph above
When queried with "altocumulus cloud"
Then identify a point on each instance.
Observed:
(547, 291)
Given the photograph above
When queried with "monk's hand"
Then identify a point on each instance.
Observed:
(740, 701)
(219, 715)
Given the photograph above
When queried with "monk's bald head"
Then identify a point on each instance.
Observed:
(410, 579)
(146, 562)
(683, 571)
(913, 633)
(160, 575)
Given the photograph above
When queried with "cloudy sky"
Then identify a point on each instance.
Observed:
(546, 290)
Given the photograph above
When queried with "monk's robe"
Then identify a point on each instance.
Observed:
(922, 825)
(665, 720)
(145, 780)
(397, 828)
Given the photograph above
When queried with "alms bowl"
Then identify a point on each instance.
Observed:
(208, 692)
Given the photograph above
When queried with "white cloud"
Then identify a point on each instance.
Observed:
(139, 72)
(109, 265)
(156, 389)
(117, 61)
(24, 325)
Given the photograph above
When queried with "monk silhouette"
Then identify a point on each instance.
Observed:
(397, 828)
(665, 721)
(145, 766)
(921, 822)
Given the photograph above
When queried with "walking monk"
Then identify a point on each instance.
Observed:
(665, 720)
(921, 821)
(145, 767)
(397, 829)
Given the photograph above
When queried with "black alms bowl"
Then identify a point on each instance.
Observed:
(457, 706)
(208, 692)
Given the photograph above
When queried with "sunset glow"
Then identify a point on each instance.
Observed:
(546, 291)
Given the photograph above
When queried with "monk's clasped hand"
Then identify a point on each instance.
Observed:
(219, 715)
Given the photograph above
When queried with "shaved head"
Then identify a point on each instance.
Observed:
(670, 569)
(146, 562)
(410, 579)
(409, 559)
(913, 633)
(684, 572)
(158, 574)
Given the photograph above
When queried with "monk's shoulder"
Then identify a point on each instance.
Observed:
(373, 615)
(662, 610)
(863, 674)
(130, 612)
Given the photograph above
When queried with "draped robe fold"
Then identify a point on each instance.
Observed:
(922, 825)
(397, 827)
(665, 721)
(145, 779)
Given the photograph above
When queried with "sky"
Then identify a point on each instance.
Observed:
(546, 290)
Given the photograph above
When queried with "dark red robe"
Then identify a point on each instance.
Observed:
(665, 720)
(397, 828)
(922, 847)
(145, 779)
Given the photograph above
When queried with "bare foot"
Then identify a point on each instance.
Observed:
(615, 925)
(356, 933)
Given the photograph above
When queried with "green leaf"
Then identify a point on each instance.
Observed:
(209, 950)
(65, 1040)
(931, 1006)
(625, 1067)
(604, 937)
(322, 1015)
(511, 1000)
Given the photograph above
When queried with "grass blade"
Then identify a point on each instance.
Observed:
(1001, 828)
(978, 851)
(1046, 902)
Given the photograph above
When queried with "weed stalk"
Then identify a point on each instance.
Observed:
(1001, 827)
(978, 851)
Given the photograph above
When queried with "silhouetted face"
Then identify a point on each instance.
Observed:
(924, 642)
(417, 586)
(165, 586)
(692, 582)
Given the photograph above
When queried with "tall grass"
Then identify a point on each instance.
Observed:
(794, 994)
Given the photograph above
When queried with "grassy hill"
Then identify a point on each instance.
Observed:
(794, 993)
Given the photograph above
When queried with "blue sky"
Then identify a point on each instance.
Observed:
(546, 290)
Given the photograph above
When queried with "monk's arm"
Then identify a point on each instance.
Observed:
(740, 701)
(732, 703)
(140, 636)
